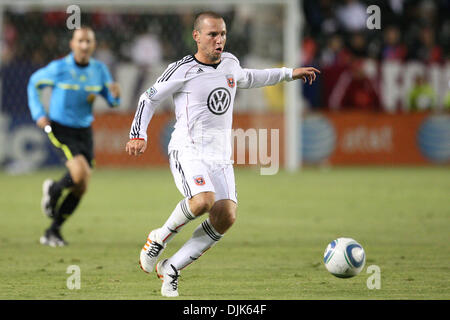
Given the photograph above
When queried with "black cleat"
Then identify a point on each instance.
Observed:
(53, 238)
(48, 203)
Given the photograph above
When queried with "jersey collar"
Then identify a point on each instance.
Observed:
(214, 65)
(71, 58)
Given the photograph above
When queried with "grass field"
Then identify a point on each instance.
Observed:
(274, 251)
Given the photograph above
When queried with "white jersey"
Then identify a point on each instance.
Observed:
(203, 95)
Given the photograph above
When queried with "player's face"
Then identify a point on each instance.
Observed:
(83, 45)
(211, 39)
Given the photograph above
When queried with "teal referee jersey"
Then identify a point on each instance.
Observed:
(74, 89)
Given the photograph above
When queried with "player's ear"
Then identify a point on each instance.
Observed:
(94, 40)
(72, 40)
(71, 44)
(195, 35)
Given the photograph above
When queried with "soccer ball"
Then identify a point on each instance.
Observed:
(344, 257)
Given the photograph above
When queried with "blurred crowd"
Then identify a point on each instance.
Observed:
(142, 38)
(34, 37)
(410, 30)
(335, 39)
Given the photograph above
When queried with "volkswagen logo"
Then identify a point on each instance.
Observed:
(219, 101)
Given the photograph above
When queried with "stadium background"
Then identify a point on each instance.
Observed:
(376, 164)
(383, 96)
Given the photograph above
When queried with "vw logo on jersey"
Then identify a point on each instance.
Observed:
(219, 101)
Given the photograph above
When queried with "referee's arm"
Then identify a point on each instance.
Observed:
(111, 89)
(111, 92)
(40, 79)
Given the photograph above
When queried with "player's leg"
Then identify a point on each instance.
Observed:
(205, 236)
(80, 173)
(51, 192)
(62, 138)
(166, 271)
(186, 211)
(221, 217)
(192, 181)
(223, 213)
(76, 147)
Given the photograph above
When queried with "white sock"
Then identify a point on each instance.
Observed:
(180, 216)
(203, 238)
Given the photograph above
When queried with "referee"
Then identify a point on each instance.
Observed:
(76, 80)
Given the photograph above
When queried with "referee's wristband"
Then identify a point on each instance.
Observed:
(137, 139)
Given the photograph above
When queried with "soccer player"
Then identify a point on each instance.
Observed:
(76, 80)
(203, 87)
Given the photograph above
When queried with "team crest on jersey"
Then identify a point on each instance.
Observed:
(230, 81)
(151, 92)
(199, 180)
(219, 101)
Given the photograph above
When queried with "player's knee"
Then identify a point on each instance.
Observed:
(80, 188)
(81, 182)
(79, 169)
(229, 217)
(224, 221)
(201, 203)
(202, 206)
(81, 177)
(223, 215)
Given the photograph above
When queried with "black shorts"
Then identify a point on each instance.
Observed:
(72, 141)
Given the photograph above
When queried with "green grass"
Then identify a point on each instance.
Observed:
(274, 250)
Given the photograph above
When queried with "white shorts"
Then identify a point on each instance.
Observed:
(193, 176)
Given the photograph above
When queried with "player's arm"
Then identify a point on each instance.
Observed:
(255, 78)
(147, 105)
(307, 74)
(110, 90)
(40, 79)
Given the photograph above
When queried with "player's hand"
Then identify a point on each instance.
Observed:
(42, 122)
(306, 74)
(114, 88)
(136, 147)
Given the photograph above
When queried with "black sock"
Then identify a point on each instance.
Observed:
(63, 183)
(57, 188)
(67, 207)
